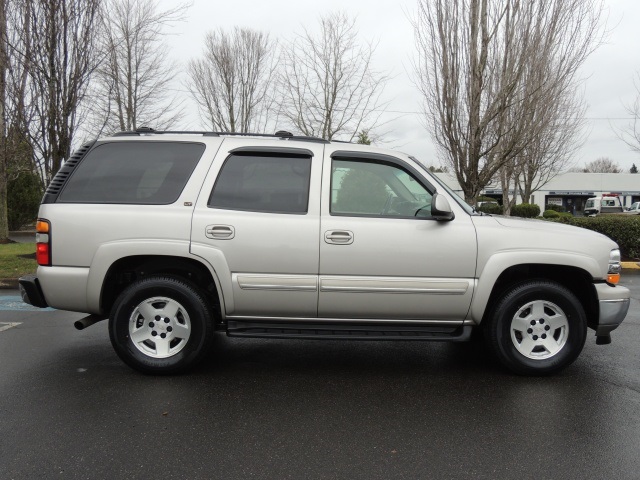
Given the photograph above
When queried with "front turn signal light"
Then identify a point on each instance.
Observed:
(613, 278)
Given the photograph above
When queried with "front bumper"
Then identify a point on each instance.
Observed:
(31, 292)
(614, 305)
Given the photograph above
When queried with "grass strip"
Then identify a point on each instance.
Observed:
(17, 259)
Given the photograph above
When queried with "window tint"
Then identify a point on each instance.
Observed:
(373, 188)
(255, 183)
(147, 173)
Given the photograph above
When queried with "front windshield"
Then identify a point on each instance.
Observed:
(470, 210)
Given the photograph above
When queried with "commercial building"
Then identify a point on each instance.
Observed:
(571, 190)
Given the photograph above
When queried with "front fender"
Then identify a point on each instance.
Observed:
(501, 261)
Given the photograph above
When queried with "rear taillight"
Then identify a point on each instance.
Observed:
(43, 242)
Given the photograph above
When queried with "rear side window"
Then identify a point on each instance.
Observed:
(144, 173)
(256, 183)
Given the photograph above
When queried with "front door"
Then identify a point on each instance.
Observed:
(382, 256)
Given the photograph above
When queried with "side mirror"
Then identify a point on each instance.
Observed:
(440, 208)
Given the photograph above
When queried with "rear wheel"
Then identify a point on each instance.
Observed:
(537, 328)
(161, 325)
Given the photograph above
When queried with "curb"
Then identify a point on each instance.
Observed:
(630, 265)
(8, 283)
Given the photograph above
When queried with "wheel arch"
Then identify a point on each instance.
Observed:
(577, 280)
(126, 270)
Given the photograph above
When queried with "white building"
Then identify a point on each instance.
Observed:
(571, 190)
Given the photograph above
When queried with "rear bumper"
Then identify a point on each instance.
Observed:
(614, 305)
(31, 292)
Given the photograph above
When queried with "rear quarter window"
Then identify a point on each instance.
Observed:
(143, 173)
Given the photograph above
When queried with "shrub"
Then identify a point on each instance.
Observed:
(550, 214)
(23, 200)
(482, 198)
(492, 208)
(556, 208)
(525, 210)
(622, 229)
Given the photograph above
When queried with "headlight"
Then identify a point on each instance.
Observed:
(613, 273)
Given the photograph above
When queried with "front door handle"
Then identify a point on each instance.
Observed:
(220, 232)
(339, 237)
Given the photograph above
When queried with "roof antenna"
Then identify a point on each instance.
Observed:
(283, 134)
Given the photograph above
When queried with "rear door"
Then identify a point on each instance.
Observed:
(257, 221)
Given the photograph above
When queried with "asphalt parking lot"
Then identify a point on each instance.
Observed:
(308, 409)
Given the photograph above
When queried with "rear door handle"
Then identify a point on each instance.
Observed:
(339, 237)
(220, 232)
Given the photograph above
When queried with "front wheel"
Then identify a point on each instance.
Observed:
(160, 325)
(537, 328)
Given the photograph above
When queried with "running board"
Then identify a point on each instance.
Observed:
(341, 331)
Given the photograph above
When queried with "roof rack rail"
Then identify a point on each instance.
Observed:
(282, 134)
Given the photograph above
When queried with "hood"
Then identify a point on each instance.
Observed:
(546, 226)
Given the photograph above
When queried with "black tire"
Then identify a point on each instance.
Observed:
(507, 339)
(186, 335)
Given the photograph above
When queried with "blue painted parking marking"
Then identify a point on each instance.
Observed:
(15, 303)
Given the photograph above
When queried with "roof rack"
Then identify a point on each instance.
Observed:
(282, 134)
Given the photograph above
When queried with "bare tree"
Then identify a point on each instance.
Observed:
(4, 222)
(133, 83)
(559, 125)
(489, 69)
(20, 99)
(631, 134)
(232, 82)
(61, 58)
(329, 86)
(602, 165)
(17, 110)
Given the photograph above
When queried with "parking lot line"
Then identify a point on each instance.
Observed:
(6, 325)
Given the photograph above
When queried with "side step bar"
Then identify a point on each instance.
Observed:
(341, 331)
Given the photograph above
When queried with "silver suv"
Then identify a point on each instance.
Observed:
(176, 235)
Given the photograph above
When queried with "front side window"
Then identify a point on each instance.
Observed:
(257, 183)
(141, 173)
(377, 189)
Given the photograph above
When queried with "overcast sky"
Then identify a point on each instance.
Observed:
(608, 73)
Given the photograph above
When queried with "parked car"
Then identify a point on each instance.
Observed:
(634, 209)
(173, 236)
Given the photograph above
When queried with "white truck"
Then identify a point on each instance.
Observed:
(607, 203)
(634, 209)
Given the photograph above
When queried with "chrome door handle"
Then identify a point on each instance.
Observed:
(339, 237)
(220, 232)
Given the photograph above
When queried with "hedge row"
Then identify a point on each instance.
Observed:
(556, 214)
(557, 208)
(622, 229)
